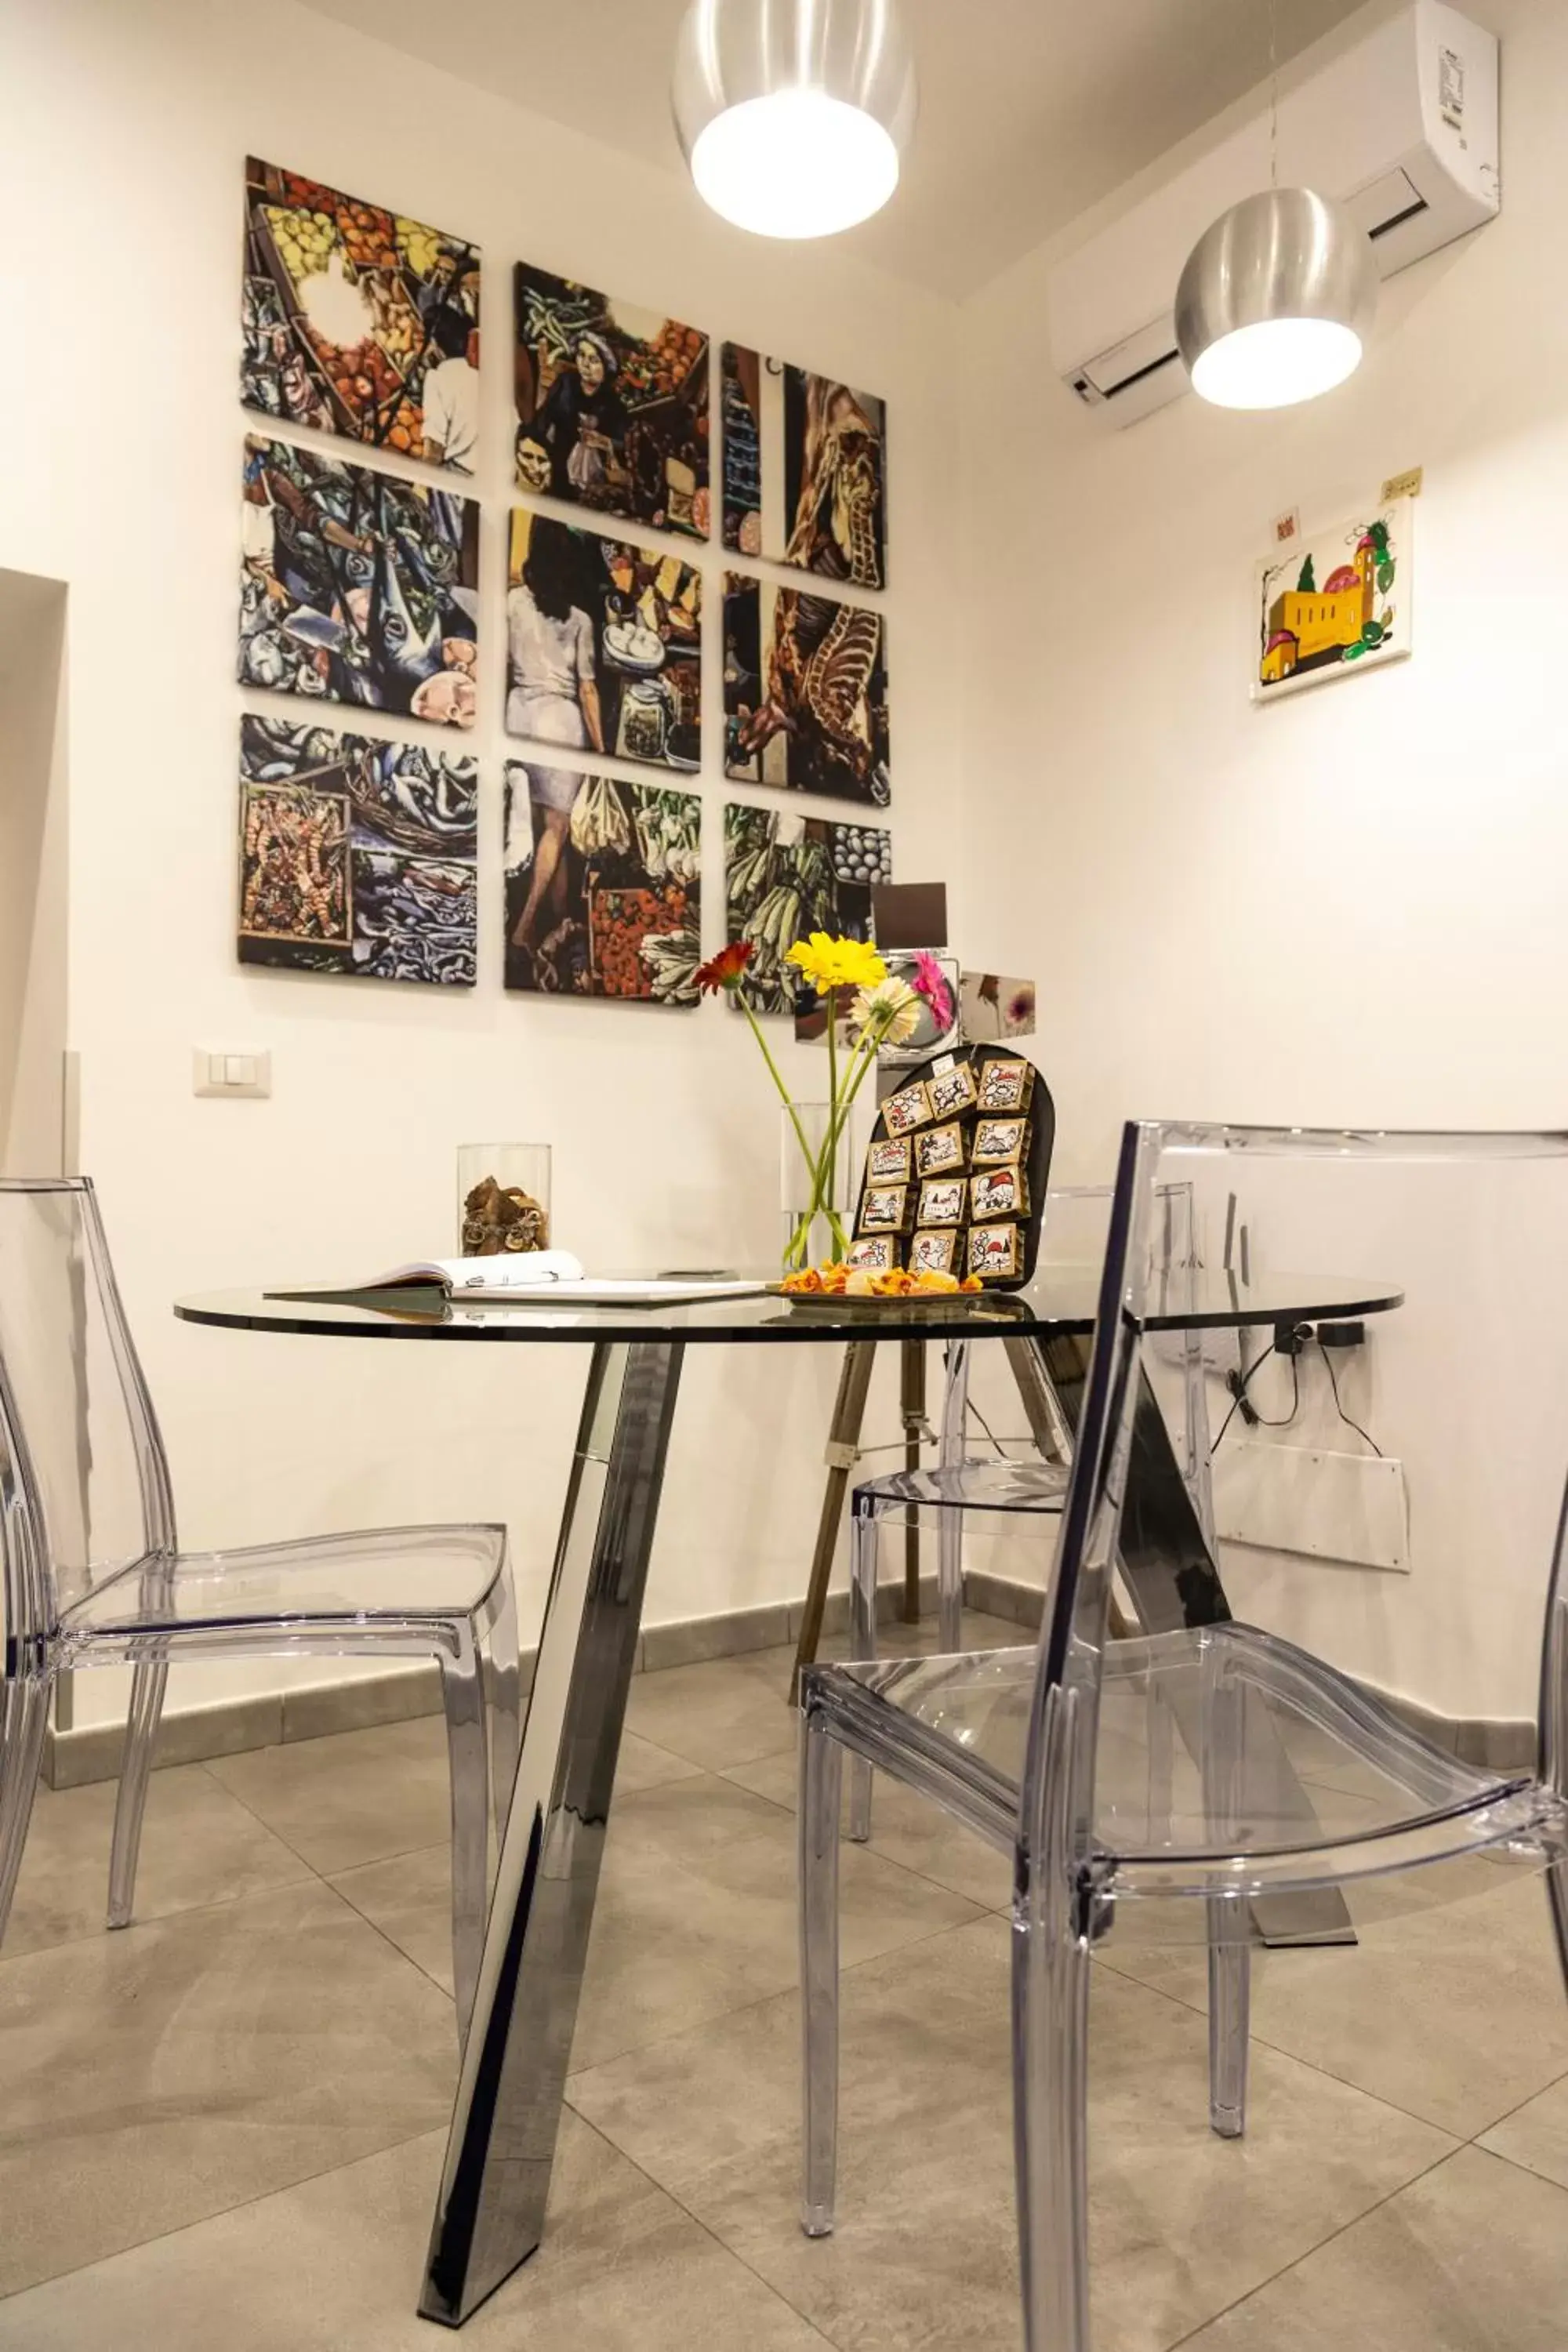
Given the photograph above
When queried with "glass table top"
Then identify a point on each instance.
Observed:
(1059, 1300)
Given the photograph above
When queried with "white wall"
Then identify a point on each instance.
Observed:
(1349, 907)
(125, 139)
(34, 910)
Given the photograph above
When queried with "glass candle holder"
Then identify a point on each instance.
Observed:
(503, 1199)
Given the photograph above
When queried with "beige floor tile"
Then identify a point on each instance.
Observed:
(725, 1711)
(1455, 2014)
(199, 1845)
(353, 1797)
(686, 1931)
(409, 1896)
(1183, 2223)
(1536, 2135)
(641, 1765)
(334, 2266)
(1472, 2258)
(906, 1828)
(159, 2076)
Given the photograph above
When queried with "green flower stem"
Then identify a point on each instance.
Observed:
(805, 1152)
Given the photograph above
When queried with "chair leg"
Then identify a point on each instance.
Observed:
(1051, 2132)
(1557, 1894)
(949, 1581)
(1230, 2003)
(864, 1550)
(463, 1696)
(149, 1682)
(821, 1782)
(24, 1710)
(505, 1699)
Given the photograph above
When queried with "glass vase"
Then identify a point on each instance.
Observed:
(817, 1197)
(503, 1199)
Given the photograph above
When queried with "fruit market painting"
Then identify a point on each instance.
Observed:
(786, 877)
(611, 404)
(806, 692)
(603, 645)
(359, 322)
(603, 887)
(805, 469)
(357, 587)
(1340, 602)
(356, 857)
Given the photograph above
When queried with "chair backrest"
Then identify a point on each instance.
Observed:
(84, 1483)
(1454, 1515)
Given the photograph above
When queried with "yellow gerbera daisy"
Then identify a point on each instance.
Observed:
(830, 963)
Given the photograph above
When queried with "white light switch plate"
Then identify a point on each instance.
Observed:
(232, 1071)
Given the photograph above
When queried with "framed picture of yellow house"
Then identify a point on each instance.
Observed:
(1340, 602)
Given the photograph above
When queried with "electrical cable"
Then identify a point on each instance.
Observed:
(1238, 1393)
(990, 1433)
(1263, 1422)
(1339, 1408)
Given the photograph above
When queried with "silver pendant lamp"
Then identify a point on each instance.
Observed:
(1278, 296)
(793, 114)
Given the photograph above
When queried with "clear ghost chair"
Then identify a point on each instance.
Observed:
(93, 1575)
(998, 1486)
(1206, 1773)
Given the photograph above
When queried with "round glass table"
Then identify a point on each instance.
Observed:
(490, 2208)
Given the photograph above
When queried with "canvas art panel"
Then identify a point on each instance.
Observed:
(806, 692)
(786, 877)
(358, 321)
(603, 645)
(805, 469)
(992, 1007)
(603, 886)
(358, 587)
(1340, 602)
(611, 404)
(356, 856)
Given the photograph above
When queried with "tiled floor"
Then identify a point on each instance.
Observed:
(225, 2125)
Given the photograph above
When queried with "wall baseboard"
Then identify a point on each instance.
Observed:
(91, 1753)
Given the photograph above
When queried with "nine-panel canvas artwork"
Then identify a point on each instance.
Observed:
(361, 590)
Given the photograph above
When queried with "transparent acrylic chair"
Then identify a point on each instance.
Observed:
(998, 1486)
(93, 1575)
(1196, 1775)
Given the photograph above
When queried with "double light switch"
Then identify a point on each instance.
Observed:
(232, 1073)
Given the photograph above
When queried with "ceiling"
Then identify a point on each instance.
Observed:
(1031, 111)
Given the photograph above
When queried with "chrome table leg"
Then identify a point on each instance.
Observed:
(490, 2213)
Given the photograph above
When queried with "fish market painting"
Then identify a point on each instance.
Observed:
(611, 404)
(603, 645)
(355, 856)
(603, 887)
(805, 469)
(1340, 601)
(358, 321)
(786, 877)
(806, 692)
(358, 587)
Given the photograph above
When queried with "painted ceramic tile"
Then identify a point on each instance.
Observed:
(603, 645)
(805, 469)
(355, 856)
(359, 322)
(603, 885)
(806, 691)
(786, 877)
(358, 587)
(1340, 601)
(611, 404)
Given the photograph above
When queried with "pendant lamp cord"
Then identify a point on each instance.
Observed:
(1274, 93)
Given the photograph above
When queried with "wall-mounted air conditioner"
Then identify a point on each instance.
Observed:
(1402, 128)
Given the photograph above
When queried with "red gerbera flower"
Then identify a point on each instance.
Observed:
(725, 970)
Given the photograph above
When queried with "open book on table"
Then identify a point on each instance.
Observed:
(531, 1278)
